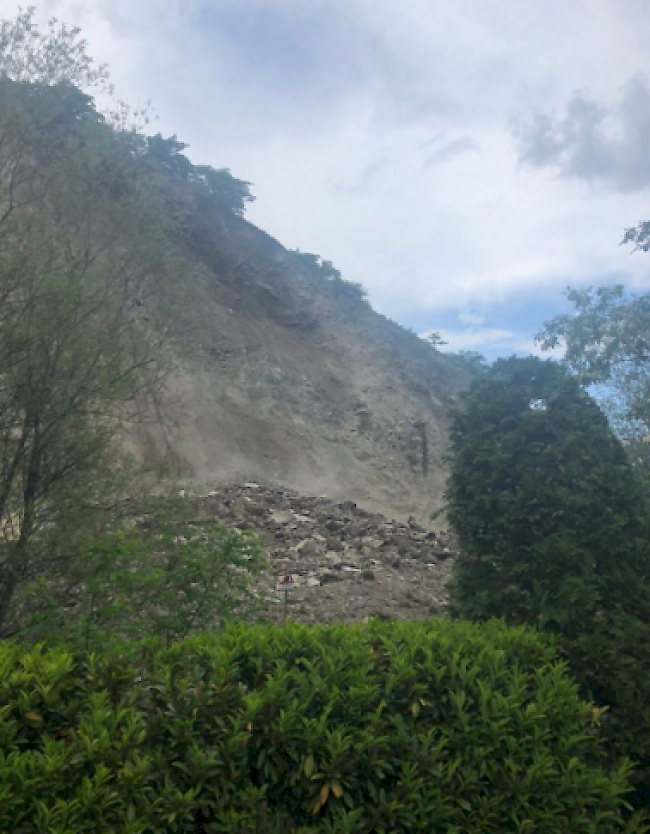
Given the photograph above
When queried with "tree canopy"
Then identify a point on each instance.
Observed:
(58, 55)
(84, 312)
(225, 189)
(89, 299)
(606, 342)
(553, 528)
(541, 494)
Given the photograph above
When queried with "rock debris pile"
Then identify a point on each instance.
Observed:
(345, 563)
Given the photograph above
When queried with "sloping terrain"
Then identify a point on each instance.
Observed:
(345, 563)
(297, 384)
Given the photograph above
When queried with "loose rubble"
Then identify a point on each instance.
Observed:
(344, 563)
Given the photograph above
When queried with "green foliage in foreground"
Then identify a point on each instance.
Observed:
(554, 532)
(157, 576)
(409, 727)
(550, 518)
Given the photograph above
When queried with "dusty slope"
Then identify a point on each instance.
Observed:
(297, 386)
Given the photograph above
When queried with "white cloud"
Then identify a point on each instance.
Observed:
(471, 318)
(450, 150)
(492, 342)
(484, 339)
(594, 141)
(378, 133)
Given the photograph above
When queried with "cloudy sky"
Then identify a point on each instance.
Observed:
(465, 161)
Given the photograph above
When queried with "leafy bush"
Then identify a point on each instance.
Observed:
(553, 532)
(409, 727)
(163, 576)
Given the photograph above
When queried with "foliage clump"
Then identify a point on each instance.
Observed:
(86, 311)
(377, 728)
(218, 183)
(553, 529)
(606, 345)
(469, 360)
(91, 308)
(59, 55)
(159, 573)
(330, 276)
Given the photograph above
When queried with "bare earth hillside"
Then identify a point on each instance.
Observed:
(296, 384)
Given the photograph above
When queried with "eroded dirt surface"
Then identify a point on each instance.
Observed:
(345, 563)
(281, 380)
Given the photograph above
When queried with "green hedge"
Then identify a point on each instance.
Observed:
(384, 727)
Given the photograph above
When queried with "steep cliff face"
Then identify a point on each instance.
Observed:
(295, 385)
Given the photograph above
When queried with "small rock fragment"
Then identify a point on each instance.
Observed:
(307, 547)
(330, 577)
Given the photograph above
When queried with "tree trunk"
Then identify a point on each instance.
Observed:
(9, 578)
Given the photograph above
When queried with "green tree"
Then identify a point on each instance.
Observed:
(57, 56)
(435, 339)
(225, 189)
(88, 302)
(168, 153)
(553, 531)
(606, 343)
(85, 311)
(469, 360)
(219, 184)
(161, 572)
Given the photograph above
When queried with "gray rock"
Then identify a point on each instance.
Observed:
(327, 578)
(307, 547)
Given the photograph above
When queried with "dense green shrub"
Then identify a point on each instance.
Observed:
(553, 530)
(409, 727)
(549, 515)
(154, 575)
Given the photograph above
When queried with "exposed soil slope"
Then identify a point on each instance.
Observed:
(296, 385)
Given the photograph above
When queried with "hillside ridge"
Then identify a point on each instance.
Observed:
(298, 385)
